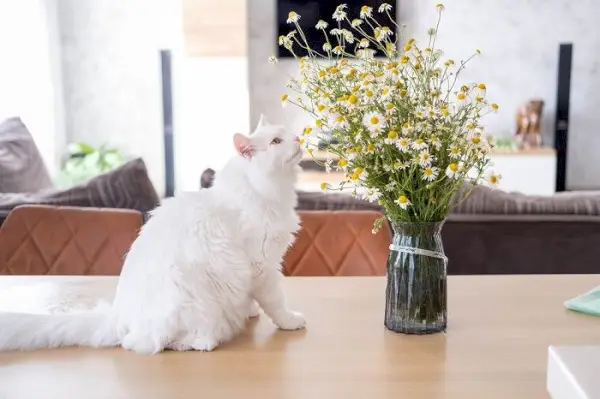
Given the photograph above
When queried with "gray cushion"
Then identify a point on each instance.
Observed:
(128, 187)
(22, 169)
(487, 201)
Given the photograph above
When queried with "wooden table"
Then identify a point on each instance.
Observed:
(496, 346)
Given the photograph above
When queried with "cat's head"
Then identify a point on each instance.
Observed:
(269, 147)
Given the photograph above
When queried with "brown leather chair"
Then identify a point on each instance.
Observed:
(38, 240)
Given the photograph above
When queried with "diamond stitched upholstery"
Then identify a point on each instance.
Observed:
(338, 243)
(40, 240)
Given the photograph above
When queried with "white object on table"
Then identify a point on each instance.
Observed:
(573, 372)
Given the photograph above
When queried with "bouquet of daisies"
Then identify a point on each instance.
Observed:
(405, 133)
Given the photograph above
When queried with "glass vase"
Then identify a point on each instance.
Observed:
(416, 279)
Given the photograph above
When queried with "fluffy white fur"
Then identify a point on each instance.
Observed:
(200, 266)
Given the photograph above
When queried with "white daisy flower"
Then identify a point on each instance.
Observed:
(407, 130)
(454, 152)
(430, 173)
(492, 179)
(273, 60)
(403, 202)
(348, 36)
(391, 138)
(340, 122)
(364, 43)
(374, 121)
(391, 186)
(327, 47)
(386, 92)
(356, 23)
(365, 54)
(328, 163)
(292, 17)
(436, 143)
(322, 25)
(382, 33)
(384, 7)
(421, 111)
(419, 144)
(425, 158)
(401, 165)
(462, 97)
(335, 32)
(366, 11)
(372, 194)
(452, 171)
(338, 50)
(403, 144)
(339, 13)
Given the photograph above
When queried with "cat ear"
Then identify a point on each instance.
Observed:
(262, 121)
(243, 145)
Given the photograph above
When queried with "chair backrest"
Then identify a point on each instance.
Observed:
(338, 243)
(51, 240)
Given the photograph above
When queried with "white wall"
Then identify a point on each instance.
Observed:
(30, 77)
(519, 40)
(111, 73)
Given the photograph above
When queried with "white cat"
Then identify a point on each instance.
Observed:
(200, 266)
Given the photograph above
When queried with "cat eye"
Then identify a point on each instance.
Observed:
(276, 140)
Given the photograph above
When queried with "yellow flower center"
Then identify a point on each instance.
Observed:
(392, 65)
(417, 66)
(392, 135)
(333, 70)
(402, 93)
(407, 47)
(319, 123)
(461, 96)
(453, 167)
(404, 142)
(385, 90)
(374, 120)
(292, 15)
(379, 74)
(481, 86)
(352, 99)
(427, 50)
(364, 9)
(495, 106)
(470, 126)
(411, 40)
(445, 111)
(370, 147)
(428, 172)
(320, 107)
(284, 97)
(323, 185)
(358, 171)
(322, 73)
(404, 59)
(475, 140)
(493, 179)
(402, 199)
(351, 73)
(355, 88)
(363, 75)
(354, 176)
(339, 118)
(342, 162)
(389, 106)
(369, 93)
(419, 141)
(479, 99)
(301, 141)
(307, 130)
(454, 151)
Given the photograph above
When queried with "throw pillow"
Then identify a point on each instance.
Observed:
(22, 168)
(127, 186)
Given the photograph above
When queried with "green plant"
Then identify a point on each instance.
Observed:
(85, 162)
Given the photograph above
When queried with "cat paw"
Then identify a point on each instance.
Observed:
(180, 346)
(204, 344)
(291, 321)
(253, 309)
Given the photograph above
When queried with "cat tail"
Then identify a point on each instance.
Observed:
(19, 331)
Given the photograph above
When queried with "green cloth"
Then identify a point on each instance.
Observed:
(586, 303)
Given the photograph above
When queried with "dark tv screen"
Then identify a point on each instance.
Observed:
(313, 10)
